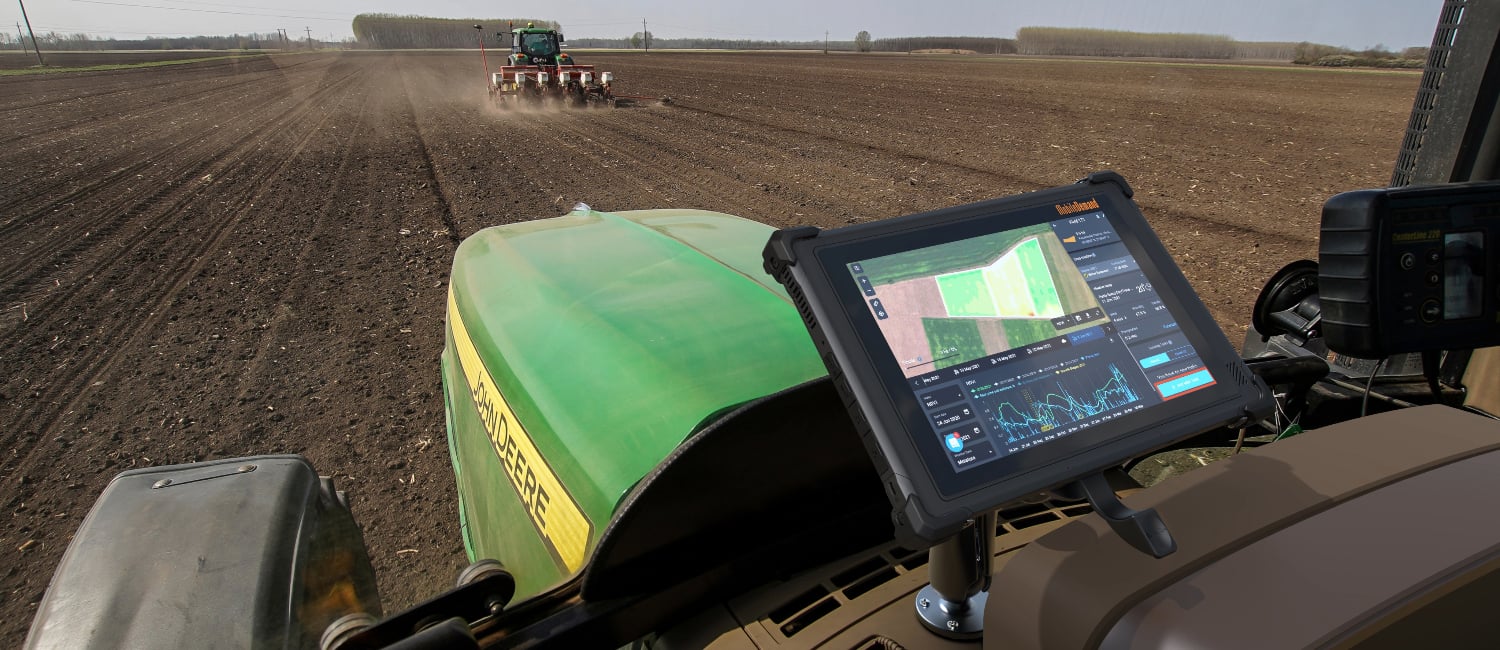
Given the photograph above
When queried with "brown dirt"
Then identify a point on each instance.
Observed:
(247, 257)
(16, 59)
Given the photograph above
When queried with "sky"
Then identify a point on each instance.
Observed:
(1350, 23)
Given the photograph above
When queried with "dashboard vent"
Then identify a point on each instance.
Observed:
(845, 587)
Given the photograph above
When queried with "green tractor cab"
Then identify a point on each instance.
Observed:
(536, 46)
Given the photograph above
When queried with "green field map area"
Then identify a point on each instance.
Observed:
(996, 292)
(1017, 285)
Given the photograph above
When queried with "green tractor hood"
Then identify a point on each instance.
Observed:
(582, 350)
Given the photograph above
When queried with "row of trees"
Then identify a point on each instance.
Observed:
(861, 43)
(78, 42)
(391, 31)
(1108, 42)
(1265, 50)
(638, 41)
(980, 44)
(1103, 42)
(397, 32)
(1375, 57)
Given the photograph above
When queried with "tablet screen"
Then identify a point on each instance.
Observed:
(1022, 337)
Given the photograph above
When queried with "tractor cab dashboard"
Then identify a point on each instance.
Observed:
(1304, 527)
(731, 502)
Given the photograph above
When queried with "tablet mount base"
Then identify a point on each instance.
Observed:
(960, 568)
(952, 605)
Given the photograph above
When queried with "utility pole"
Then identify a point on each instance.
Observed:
(309, 37)
(21, 37)
(825, 41)
(646, 35)
(34, 45)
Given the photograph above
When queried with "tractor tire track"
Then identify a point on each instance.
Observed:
(1020, 180)
(32, 138)
(129, 78)
(204, 159)
(96, 362)
(103, 171)
(439, 191)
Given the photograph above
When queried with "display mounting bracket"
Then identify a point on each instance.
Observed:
(1142, 529)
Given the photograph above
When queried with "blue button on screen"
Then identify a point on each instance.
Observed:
(1155, 360)
(1185, 383)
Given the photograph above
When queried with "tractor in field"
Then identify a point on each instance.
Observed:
(652, 450)
(538, 70)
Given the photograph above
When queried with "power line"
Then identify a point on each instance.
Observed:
(713, 32)
(96, 31)
(207, 11)
(628, 22)
(342, 15)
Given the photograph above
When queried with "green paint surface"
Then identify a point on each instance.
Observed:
(613, 337)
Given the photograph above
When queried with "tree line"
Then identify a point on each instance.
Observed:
(638, 41)
(1109, 42)
(398, 32)
(1375, 57)
(391, 31)
(79, 42)
(980, 44)
(983, 45)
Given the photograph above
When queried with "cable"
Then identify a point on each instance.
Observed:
(207, 11)
(572, 25)
(1357, 388)
(96, 31)
(1365, 403)
(1431, 365)
(1281, 412)
(340, 14)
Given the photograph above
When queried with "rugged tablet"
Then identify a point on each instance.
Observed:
(991, 351)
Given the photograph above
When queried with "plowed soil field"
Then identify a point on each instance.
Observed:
(14, 60)
(250, 256)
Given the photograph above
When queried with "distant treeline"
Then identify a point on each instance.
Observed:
(55, 42)
(1029, 40)
(393, 32)
(637, 42)
(1102, 42)
(1107, 42)
(980, 44)
(1375, 57)
(1265, 50)
(390, 31)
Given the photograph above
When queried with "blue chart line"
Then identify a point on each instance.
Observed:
(1054, 409)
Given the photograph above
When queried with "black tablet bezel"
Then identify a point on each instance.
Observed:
(935, 498)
